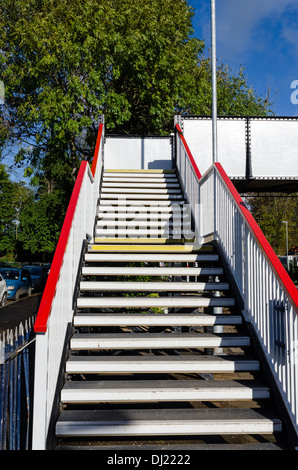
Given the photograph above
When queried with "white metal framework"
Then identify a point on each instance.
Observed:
(269, 299)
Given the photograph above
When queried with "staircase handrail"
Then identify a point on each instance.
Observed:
(56, 308)
(50, 287)
(267, 249)
(269, 298)
(189, 176)
(188, 152)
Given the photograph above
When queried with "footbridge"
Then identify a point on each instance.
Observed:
(167, 321)
(259, 154)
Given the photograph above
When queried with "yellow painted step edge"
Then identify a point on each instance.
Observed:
(144, 248)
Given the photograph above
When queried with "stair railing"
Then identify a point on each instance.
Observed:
(269, 296)
(55, 312)
(189, 176)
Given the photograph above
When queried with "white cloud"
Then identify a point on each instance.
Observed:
(239, 24)
(290, 30)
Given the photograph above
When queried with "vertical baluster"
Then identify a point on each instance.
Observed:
(2, 386)
(11, 394)
(19, 386)
(26, 377)
(6, 392)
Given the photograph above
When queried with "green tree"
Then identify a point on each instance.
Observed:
(7, 212)
(13, 197)
(40, 225)
(64, 63)
(234, 96)
(269, 210)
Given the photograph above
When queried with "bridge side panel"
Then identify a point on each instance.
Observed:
(259, 149)
(274, 148)
(231, 144)
(138, 153)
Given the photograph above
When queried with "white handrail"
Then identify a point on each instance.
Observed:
(189, 179)
(269, 296)
(56, 308)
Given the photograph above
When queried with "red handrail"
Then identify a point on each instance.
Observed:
(195, 167)
(280, 271)
(273, 259)
(40, 325)
(96, 152)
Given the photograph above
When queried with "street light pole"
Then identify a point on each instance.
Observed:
(216, 310)
(287, 242)
(214, 80)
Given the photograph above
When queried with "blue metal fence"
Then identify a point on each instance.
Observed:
(17, 349)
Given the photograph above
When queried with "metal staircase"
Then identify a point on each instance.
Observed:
(160, 355)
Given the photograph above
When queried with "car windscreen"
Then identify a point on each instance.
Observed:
(34, 271)
(12, 274)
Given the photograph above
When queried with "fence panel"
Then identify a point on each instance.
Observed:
(57, 304)
(189, 179)
(270, 297)
(17, 350)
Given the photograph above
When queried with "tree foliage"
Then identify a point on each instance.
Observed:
(6, 211)
(13, 197)
(40, 224)
(269, 211)
(64, 63)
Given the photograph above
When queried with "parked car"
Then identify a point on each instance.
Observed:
(47, 267)
(3, 291)
(18, 282)
(39, 275)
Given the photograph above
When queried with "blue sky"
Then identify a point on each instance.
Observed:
(260, 35)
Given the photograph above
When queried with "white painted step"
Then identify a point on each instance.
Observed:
(148, 271)
(117, 215)
(134, 196)
(142, 243)
(162, 208)
(133, 217)
(160, 364)
(139, 191)
(130, 286)
(140, 174)
(92, 256)
(161, 390)
(150, 302)
(149, 180)
(147, 319)
(120, 185)
(112, 223)
(93, 341)
(150, 232)
(166, 422)
(148, 203)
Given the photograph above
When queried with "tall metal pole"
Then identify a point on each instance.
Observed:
(287, 243)
(216, 310)
(214, 80)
